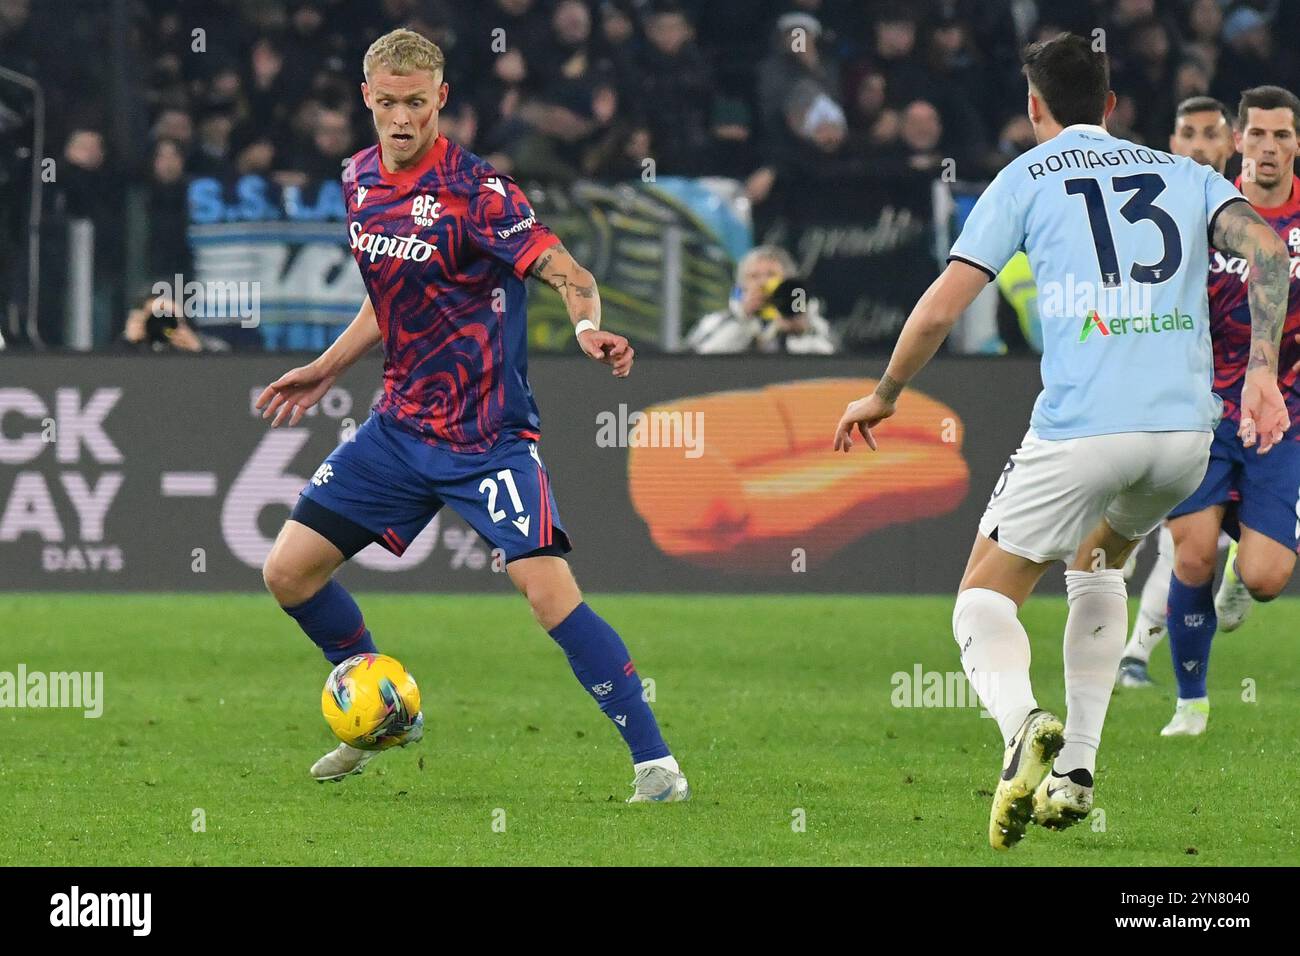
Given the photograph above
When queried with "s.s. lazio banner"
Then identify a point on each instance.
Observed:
(292, 242)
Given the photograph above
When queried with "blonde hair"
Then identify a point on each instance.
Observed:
(404, 52)
(766, 254)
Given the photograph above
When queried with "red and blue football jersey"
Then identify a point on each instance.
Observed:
(1230, 316)
(443, 249)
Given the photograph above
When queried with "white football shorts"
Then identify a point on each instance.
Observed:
(1052, 494)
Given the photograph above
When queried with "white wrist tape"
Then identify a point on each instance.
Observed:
(586, 325)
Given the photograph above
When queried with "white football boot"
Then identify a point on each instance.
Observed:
(1232, 602)
(1025, 763)
(1062, 801)
(1190, 718)
(659, 784)
(345, 760)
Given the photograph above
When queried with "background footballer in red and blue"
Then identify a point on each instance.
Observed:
(1230, 318)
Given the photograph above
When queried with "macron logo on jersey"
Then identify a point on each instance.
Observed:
(496, 185)
(361, 195)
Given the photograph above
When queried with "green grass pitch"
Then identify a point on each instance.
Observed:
(781, 710)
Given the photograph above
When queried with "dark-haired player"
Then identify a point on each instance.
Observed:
(444, 244)
(1117, 236)
(1257, 500)
(1203, 132)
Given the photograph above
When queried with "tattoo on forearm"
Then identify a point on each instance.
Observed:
(578, 291)
(889, 388)
(556, 280)
(1270, 282)
(540, 265)
(1241, 231)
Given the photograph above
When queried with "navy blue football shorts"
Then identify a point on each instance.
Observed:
(1261, 492)
(386, 484)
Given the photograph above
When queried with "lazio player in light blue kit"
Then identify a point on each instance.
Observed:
(1117, 235)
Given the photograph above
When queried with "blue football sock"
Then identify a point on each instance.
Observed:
(1192, 623)
(601, 662)
(334, 623)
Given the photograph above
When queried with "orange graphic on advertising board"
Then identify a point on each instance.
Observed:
(757, 477)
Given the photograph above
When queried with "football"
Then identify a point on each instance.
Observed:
(370, 701)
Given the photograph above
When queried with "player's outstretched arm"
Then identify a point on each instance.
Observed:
(929, 324)
(299, 389)
(1241, 231)
(577, 287)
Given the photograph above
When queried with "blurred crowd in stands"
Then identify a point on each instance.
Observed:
(797, 99)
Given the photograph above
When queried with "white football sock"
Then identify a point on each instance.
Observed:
(1094, 644)
(1149, 626)
(668, 763)
(995, 655)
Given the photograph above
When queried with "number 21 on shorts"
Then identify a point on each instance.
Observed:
(489, 485)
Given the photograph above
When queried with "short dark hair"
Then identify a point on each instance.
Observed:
(1268, 98)
(1202, 104)
(1072, 78)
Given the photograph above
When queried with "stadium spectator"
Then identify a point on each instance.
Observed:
(1148, 76)
(674, 90)
(156, 325)
(1247, 58)
(1191, 79)
(568, 55)
(621, 153)
(869, 114)
(796, 88)
(87, 189)
(1015, 137)
(958, 82)
(617, 41)
(1125, 19)
(919, 135)
(894, 53)
(501, 39)
(85, 181)
(17, 35)
(174, 123)
(330, 145)
(212, 148)
(735, 151)
(459, 123)
(1202, 25)
(753, 322)
(269, 92)
(169, 252)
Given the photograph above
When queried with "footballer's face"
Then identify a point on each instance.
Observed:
(405, 109)
(1267, 143)
(1203, 136)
